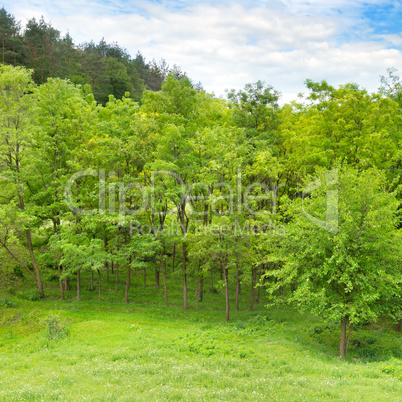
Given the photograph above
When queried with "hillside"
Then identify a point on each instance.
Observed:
(67, 350)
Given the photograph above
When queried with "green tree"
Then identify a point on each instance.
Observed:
(10, 39)
(391, 86)
(17, 139)
(255, 108)
(80, 252)
(344, 123)
(41, 49)
(68, 65)
(347, 265)
(63, 119)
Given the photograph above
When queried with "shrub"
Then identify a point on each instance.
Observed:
(18, 272)
(11, 290)
(73, 306)
(7, 303)
(55, 329)
(214, 290)
(53, 277)
(393, 367)
(210, 343)
(240, 325)
(32, 295)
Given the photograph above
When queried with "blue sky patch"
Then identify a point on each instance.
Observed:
(287, 40)
(384, 19)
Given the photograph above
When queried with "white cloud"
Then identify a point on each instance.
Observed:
(229, 45)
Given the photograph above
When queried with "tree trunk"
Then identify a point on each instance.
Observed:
(106, 264)
(31, 273)
(174, 257)
(348, 339)
(127, 284)
(157, 278)
(398, 326)
(212, 281)
(117, 279)
(79, 284)
(257, 299)
(112, 266)
(196, 299)
(34, 263)
(67, 284)
(342, 346)
(227, 293)
(99, 287)
(221, 269)
(237, 286)
(253, 278)
(185, 303)
(60, 281)
(163, 265)
(201, 288)
(92, 280)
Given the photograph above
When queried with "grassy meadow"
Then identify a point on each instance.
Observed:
(108, 350)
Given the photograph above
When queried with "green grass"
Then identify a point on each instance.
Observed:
(90, 350)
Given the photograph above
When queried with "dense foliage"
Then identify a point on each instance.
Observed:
(106, 67)
(301, 200)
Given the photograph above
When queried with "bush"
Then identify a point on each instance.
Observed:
(370, 348)
(55, 329)
(240, 325)
(18, 272)
(53, 277)
(7, 303)
(31, 295)
(210, 343)
(214, 290)
(393, 367)
(73, 306)
(11, 290)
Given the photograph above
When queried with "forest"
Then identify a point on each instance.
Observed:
(106, 67)
(113, 168)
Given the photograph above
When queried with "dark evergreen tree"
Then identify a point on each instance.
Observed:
(41, 48)
(10, 39)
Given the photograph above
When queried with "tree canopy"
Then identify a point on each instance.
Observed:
(110, 164)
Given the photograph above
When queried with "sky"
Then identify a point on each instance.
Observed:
(227, 44)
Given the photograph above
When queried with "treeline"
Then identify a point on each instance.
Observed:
(106, 67)
(300, 201)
